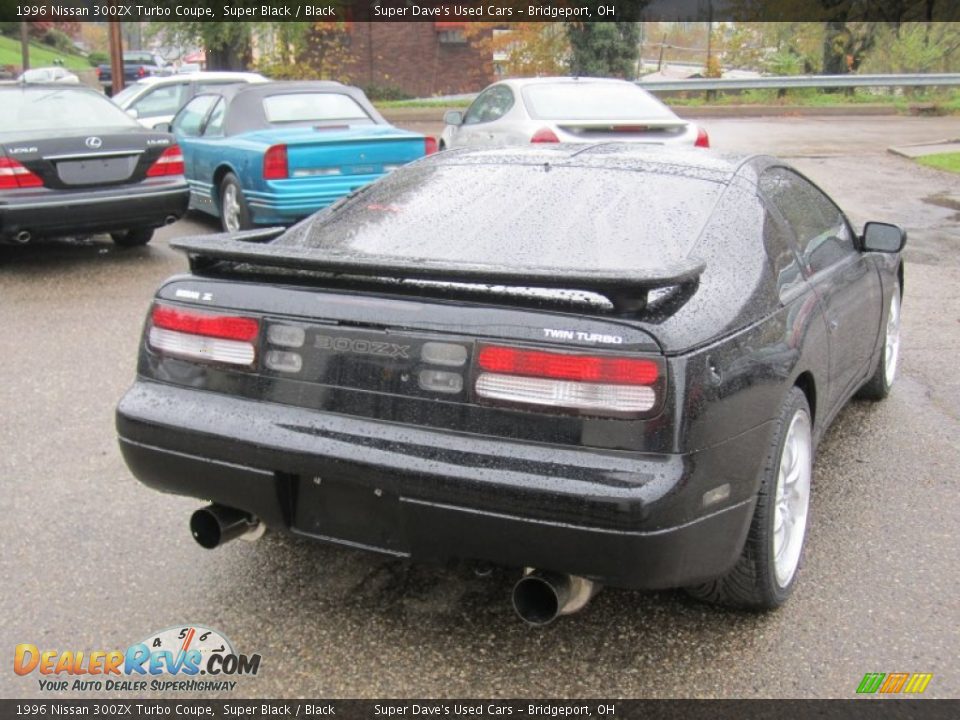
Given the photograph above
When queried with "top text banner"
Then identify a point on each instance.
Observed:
(461, 11)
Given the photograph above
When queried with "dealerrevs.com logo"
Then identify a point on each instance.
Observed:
(188, 658)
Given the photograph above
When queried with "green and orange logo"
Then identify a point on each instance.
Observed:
(893, 683)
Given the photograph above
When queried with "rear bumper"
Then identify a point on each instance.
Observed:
(286, 201)
(69, 212)
(622, 519)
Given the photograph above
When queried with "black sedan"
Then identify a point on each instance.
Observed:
(608, 365)
(73, 163)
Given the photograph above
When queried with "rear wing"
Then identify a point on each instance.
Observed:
(625, 289)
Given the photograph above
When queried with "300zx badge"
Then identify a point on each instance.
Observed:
(363, 347)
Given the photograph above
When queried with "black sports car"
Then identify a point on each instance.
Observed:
(608, 364)
(72, 162)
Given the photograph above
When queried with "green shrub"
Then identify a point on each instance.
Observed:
(59, 40)
(386, 92)
(98, 58)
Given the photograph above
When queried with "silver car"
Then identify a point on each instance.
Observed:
(560, 109)
(154, 100)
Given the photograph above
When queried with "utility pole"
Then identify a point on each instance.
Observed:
(116, 56)
(709, 38)
(25, 45)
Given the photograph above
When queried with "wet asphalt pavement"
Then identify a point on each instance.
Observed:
(92, 560)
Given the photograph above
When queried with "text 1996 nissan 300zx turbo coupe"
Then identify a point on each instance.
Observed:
(608, 365)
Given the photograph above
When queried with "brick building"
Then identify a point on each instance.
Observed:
(419, 58)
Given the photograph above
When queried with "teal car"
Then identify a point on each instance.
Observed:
(274, 153)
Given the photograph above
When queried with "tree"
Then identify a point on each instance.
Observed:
(604, 49)
(227, 44)
(915, 47)
(522, 48)
(305, 51)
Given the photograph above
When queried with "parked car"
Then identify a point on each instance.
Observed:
(73, 163)
(273, 153)
(137, 64)
(619, 375)
(53, 74)
(155, 100)
(560, 109)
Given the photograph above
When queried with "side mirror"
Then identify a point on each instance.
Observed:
(164, 127)
(883, 237)
(453, 117)
(132, 112)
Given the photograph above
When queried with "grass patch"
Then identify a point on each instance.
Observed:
(427, 103)
(40, 55)
(946, 100)
(943, 161)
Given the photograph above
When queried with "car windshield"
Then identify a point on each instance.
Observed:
(60, 109)
(519, 216)
(128, 92)
(590, 101)
(143, 58)
(313, 107)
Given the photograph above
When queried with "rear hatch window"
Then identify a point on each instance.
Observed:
(299, 108)
(517, 216)
(589, 101)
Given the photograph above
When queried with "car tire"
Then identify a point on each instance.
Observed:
(134, 237)
(878, 386)
(766, 572)
(234, 211)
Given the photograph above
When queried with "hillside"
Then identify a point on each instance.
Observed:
(40, 55)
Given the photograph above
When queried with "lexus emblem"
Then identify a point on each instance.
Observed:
(93, 142)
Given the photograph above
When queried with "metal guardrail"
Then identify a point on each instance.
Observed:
(804, 81)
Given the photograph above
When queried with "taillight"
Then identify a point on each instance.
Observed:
(275, 163)
(202, 336)
(169, 163)
(141, 71)
(604, 384)
(429, 145)
(98, 72)
(15, 175)
(703, 140)
(544, 135)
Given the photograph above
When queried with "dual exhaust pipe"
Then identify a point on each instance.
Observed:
(539, 597)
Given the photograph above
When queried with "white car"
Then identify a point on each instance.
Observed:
(153, 101)
(54, 74)
(561, 109)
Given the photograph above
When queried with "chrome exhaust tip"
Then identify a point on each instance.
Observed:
(170, 219)
(23, 237)
(541, 596)
(214, 525)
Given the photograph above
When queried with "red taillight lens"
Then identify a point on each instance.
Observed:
(97, 71)
(227, 327)
(169, 163)
(205, 337)
(544, 135)
(15, 175)
(563, 366)
(703, 140)
(141, 71)
(600, 384)
(429, 145)
(275, 163)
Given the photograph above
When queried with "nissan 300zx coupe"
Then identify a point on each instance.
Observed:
(611, 365)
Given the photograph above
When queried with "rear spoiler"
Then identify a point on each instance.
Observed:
(626, 289)
(653, 124)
